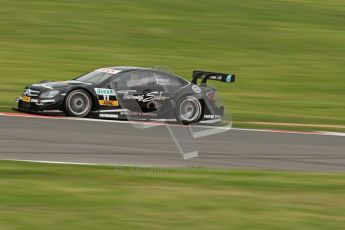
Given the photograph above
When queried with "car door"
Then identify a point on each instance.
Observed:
(142, 91)
(131, 89)
(164, 89)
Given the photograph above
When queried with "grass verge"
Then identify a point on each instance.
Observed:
(288, 55)
(47, 196)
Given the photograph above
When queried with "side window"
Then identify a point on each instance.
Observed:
(169, 82)
(141, 79)
(120, 81)
(149, 79)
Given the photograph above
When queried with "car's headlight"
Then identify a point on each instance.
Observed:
(50, 94)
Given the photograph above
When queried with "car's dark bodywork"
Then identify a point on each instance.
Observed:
(126, 93)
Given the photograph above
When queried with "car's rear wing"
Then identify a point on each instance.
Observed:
(204, 75)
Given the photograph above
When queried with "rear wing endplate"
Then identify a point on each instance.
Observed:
(204, 75)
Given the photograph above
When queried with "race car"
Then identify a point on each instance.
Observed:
(128, 93)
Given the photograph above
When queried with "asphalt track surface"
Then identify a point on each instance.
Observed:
(114, 143)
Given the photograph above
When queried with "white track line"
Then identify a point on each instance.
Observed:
(152, 124)
(51, 162)
(334, 134)
(81, 163)
(320, 133)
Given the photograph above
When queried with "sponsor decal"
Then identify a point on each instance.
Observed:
(127, 94)
(105, 115)
(152, 96)
(196, 89)
(108, 102)
(131, 113)
(26, 99)
(211, 116)
(162, 81)
(104, 91)
(228, 78)
(155, 96)
(106, 94)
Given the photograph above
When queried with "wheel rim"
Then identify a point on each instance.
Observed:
(79, 103)
(190, 109)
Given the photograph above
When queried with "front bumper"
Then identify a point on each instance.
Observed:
(40, 106)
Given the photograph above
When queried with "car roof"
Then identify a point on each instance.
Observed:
(122, 68)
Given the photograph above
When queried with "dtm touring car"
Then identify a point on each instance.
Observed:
(128, 93)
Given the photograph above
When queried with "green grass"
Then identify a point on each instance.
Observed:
(289, 55)
(46, 196)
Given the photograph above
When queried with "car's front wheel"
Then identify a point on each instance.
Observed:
(188, 110)
(78, 103)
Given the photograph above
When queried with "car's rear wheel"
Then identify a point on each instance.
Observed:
(78, 103)
(188, 110)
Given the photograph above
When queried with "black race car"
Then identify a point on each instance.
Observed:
(128, 93)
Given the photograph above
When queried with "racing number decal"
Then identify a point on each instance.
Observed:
(106, 97)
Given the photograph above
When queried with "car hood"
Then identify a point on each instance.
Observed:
(58, 85)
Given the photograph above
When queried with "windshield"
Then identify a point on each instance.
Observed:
(97, 76)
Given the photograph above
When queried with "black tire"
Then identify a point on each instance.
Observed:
(188, 110)
(78, 103)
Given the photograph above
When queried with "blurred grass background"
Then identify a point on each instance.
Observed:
(47, 196)
(289, 55)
